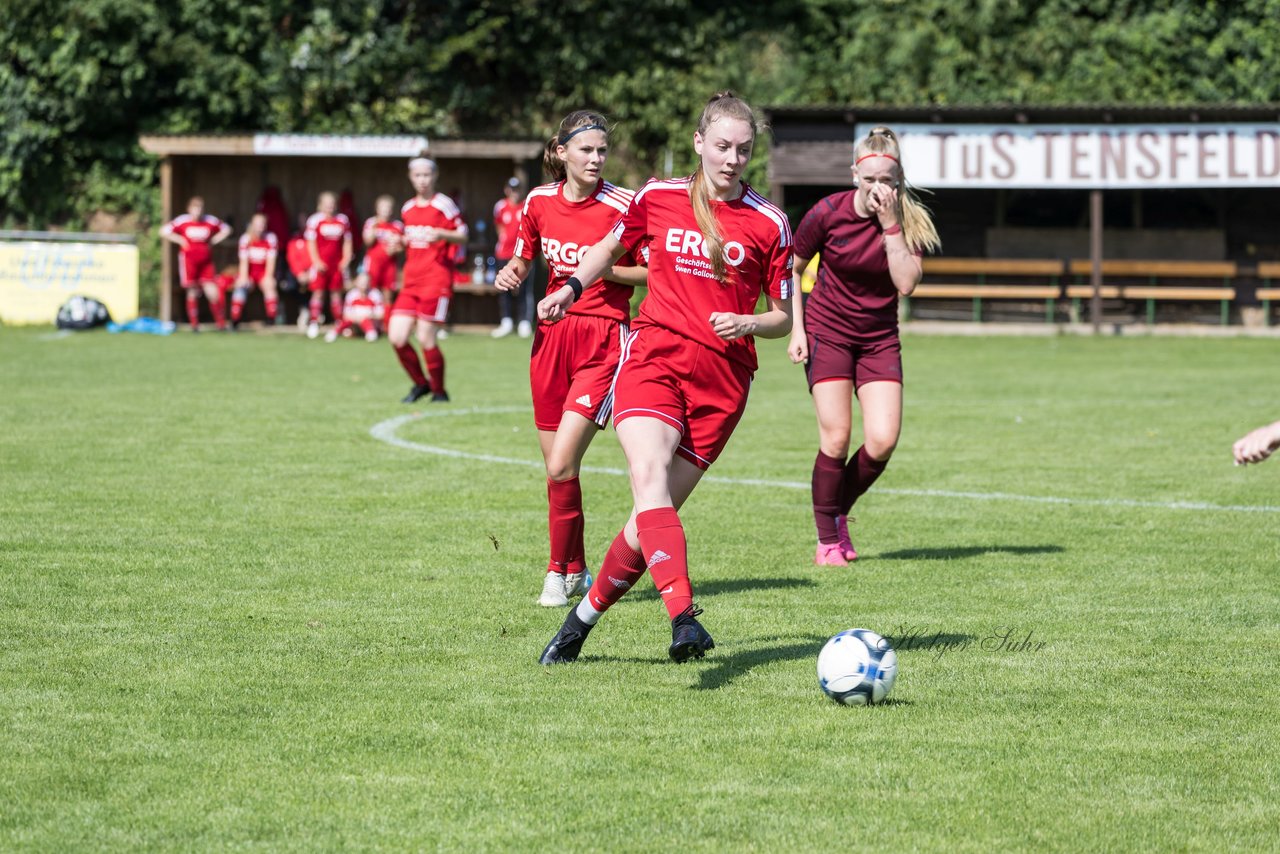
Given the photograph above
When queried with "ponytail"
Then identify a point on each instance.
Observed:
(551, 162)
(917, 224)
(722, 105)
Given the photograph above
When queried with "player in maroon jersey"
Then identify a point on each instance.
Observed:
(869, 241)
(258, 252)
(330, 244)
(196, 233)
(432, 227)
(506, 223)
(384, 236)
(573, 362)
(714, 246)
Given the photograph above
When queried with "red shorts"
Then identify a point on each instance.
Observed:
(328, 280)
(696, 390)
(863, 363)
(572, 368)
(423, 306)
(195, 270)
(381, 271)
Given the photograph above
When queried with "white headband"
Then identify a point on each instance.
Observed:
(424, 161)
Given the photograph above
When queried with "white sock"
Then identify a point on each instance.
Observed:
(587, 612)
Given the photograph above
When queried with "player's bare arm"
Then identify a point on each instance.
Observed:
(798, 348)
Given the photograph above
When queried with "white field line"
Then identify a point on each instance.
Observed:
(386, 431)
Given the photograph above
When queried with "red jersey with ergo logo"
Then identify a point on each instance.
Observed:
(683, 291)
(563, 231)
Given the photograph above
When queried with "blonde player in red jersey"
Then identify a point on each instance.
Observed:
(258, 253)
(329, 242)
(432, 227)
(573, 362)
(714, 246)
(196, 234)
(385, 238)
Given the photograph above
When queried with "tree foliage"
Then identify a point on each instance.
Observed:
(79, 81)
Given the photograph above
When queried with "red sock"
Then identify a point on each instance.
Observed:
(564, 521)
(435, 368)
(237, 308)
(366, 325)
(662, 540)
(219, 309)
(622, 567)
(409, 359)
(335, 306)
(193, 310)
(272, 305)
(828, 485)
(859, 473)
(342, 326)
(317, 307)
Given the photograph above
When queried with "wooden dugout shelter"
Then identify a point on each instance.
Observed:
(1060, 198)
(231, 171)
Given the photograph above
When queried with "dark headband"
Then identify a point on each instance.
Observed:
(564, 140)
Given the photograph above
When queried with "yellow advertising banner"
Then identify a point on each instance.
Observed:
(37, 277)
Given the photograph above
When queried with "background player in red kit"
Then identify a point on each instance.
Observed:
(506, 223)
(869, 241)
(196, 234)
(385, 238)
(714, 246)
(573, 362)
(362, 307)
(432, 227)
(329, 241)
(258, 253)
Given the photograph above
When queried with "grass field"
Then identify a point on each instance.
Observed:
(232, 618)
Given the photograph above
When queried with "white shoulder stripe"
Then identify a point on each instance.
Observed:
(681, 184)
(764, 206)
(445, 205)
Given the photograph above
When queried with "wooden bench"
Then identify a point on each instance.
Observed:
(1267, 272)
(1153, 292)
(471, 304)
(982, 268)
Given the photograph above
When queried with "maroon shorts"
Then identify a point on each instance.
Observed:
(195, 269)
(328, 280)
(422, 305)
(381, 271)
(572, 369)
(862, 363)
(696, 390)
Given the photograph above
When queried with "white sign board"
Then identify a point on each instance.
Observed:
(338, 145)
(1089, 156)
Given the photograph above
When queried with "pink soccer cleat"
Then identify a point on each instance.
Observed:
(829, 554)
(846, 544)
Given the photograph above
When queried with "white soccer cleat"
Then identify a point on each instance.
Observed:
(313, 330)
(331, 336)
(577, 583)
(371, 336)
(505, 328)
(525, 329)
(553, 591)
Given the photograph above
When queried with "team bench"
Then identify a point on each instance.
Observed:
(471, 304)
(1268, 272)
(1151, 292)
(979, 270)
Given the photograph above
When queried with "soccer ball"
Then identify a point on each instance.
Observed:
(857, 667)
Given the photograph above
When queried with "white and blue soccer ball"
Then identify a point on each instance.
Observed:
(857, 668)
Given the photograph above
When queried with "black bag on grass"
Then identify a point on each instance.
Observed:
(82, 312)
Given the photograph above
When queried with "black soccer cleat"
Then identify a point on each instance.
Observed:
(415, 393)
(567, 643)
(440, 397)
(688, 638)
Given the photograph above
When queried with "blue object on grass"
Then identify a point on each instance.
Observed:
(145, 325)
